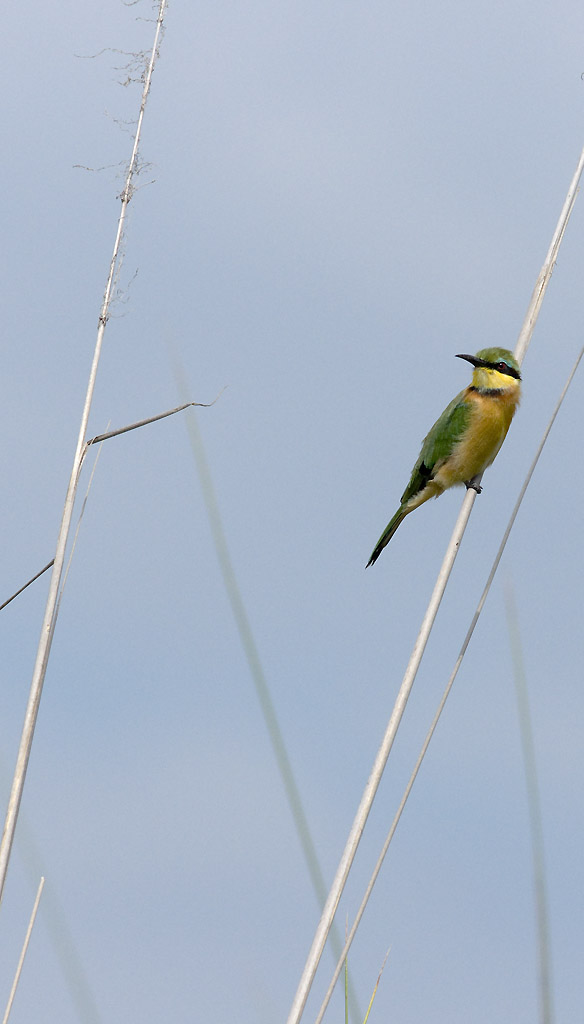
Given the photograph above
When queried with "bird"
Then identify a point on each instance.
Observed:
(467, 436)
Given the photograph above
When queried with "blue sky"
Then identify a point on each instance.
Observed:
(343, 197)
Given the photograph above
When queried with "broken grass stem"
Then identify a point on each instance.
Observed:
(151, 419)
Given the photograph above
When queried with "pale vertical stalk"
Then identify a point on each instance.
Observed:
(546, 271)
(378, 766)
(50, 616)
(23, 951)
(374, 780)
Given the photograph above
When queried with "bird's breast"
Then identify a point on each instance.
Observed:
(491, 416)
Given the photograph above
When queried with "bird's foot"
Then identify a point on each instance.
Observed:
(475, 486)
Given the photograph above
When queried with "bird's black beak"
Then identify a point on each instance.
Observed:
(471, 359)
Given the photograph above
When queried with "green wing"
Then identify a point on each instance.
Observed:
(438, 444)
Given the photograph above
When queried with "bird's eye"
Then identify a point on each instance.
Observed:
(502, 367)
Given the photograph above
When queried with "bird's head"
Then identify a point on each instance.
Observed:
(495, 369)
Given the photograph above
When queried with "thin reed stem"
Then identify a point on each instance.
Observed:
(27, 584)
(51, 609)
(23, 951)
(151, 419)
(105, 437)
(546, 271)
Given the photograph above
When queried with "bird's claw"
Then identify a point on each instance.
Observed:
(475, 486)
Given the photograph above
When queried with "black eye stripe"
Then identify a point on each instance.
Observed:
(504, 368)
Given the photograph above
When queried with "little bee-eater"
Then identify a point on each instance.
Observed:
(466, 437)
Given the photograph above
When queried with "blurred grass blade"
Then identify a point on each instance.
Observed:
(534, 808)
(256, 669)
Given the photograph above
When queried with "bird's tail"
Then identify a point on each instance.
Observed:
(388, 533)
